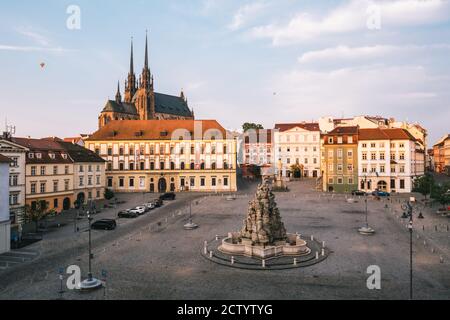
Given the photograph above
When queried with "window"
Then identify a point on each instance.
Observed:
(14, 162)
(152, 165)
(81, 181)
(121, 165)
(381, 144)
(161, 165)
(315, 160)
(42, 171)
(192, 149)
(42, 187)
(109, 166)
(392, 145)
(330, 140)
(330, 154)
(364, 145)
(350, 167)
(382, 170)
(213, 149)
(402, 169)
(55, 203)
(33, 188)
(121, 182)
(109, 151)
(364, 169)
(392, 183)
(192, 181)
(90, 195)
(55, 186)
(401, 145)
(392, 169)
(192, 166)
(90, 168)
(81, 169)
(330, 180)
(121, 151)
(339, 140)
(364, 156)
(392, 156)
(381, 155)
(225, 181)
(350, 154)
(66, 170)
(131, 166)
(402, 156)
(350, 140)
(66, 185)
(339, 153)
(131, 182)
(172, 165)
(202, 181)
(55, 170)
(213, 181)
(13, 180)
(373, 145)
(13, 199)
(339, 167)
(182, 182)
(31, 155)
(142, 165)
(97, 194)
(373, 169)
(373, 156)
(182, 165)
(213, 166)
(110, 182)
(350, 180)
(97, 151)
(98, 168)
(340, 181)
(90, 181)
(402, 184)
(330, 167)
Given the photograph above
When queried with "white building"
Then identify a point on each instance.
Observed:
(388, 160)
(298, 143)
(17, 154)
(5, 225)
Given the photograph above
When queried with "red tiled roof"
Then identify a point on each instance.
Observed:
(307, 126)
(344, 130)
(155, 129)
(385, 134)
(4, 159)
(38, 144)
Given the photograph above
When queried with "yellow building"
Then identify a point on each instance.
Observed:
(166, 155)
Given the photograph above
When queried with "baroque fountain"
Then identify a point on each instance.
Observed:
(263, 242)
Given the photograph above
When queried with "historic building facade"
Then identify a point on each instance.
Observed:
(5, 224)
(441, 155)
(388, 160)
(141, 102)
(89, 173)
(298, 144)
(17, 154)
(340, 160)
(166, 155)
(258, 152)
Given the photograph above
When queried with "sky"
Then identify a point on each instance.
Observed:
(264, 61)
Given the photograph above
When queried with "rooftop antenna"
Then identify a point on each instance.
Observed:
(10, 130)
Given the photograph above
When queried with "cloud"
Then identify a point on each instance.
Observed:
(246, 13)
(354, 16)
(365, 52)
(387, 90)
(32, 49)
(34, 36)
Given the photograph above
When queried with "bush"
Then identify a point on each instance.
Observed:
(109, 194)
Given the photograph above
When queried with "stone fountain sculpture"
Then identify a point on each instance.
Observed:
(263, 225)
(263, 234)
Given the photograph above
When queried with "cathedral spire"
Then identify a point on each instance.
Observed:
(118, 95)
(146, 51)
(131, 58)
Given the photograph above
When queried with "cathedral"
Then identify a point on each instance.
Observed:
(141, 102)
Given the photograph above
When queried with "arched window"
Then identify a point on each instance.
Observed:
(225, 165)
(213, 166)
(192, 166)
(172, 165)
(202, 166)
(182, 165)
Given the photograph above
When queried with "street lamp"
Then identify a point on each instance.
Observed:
(409, 209)
(190, 225)
(366, 230)
(91, 282)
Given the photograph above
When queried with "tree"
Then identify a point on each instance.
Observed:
(109, 194)
(424, 184)
(250, 125)
(441, 193)
(37, 212)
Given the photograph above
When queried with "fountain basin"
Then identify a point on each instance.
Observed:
(293, 246)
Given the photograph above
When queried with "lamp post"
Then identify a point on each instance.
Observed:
(190, 225)
(91, 282)
(366, 230)
(409, 208)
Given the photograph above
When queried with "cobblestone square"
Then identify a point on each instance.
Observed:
(153, 257)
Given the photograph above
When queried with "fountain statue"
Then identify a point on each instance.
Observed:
(263, 234)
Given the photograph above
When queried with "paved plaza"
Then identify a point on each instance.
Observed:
(153, 257)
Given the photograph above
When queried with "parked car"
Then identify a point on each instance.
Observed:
(378, 193)
(358, 193)
(168, 196)
(104, 224)
(158, 203)
(149, 206)
(139, 210)
(127, 214)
